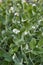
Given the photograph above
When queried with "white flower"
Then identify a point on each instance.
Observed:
(36, 46)
(16, 14)
(11, 10)
(33, 4)
(18, 4)
(27, 46)
(23, 20)
(16, 31)
(14, 56)
(25, 33)
(23, 1)
(33, 27)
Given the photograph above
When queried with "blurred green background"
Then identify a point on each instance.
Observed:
(21, 32)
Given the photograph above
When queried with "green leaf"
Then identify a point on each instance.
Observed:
(6, 55)
(40, 43)
(17, 60)
(32, 43)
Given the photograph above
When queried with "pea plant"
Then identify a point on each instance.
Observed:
(21, 32)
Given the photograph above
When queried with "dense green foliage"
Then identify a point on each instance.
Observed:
(21, 33)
